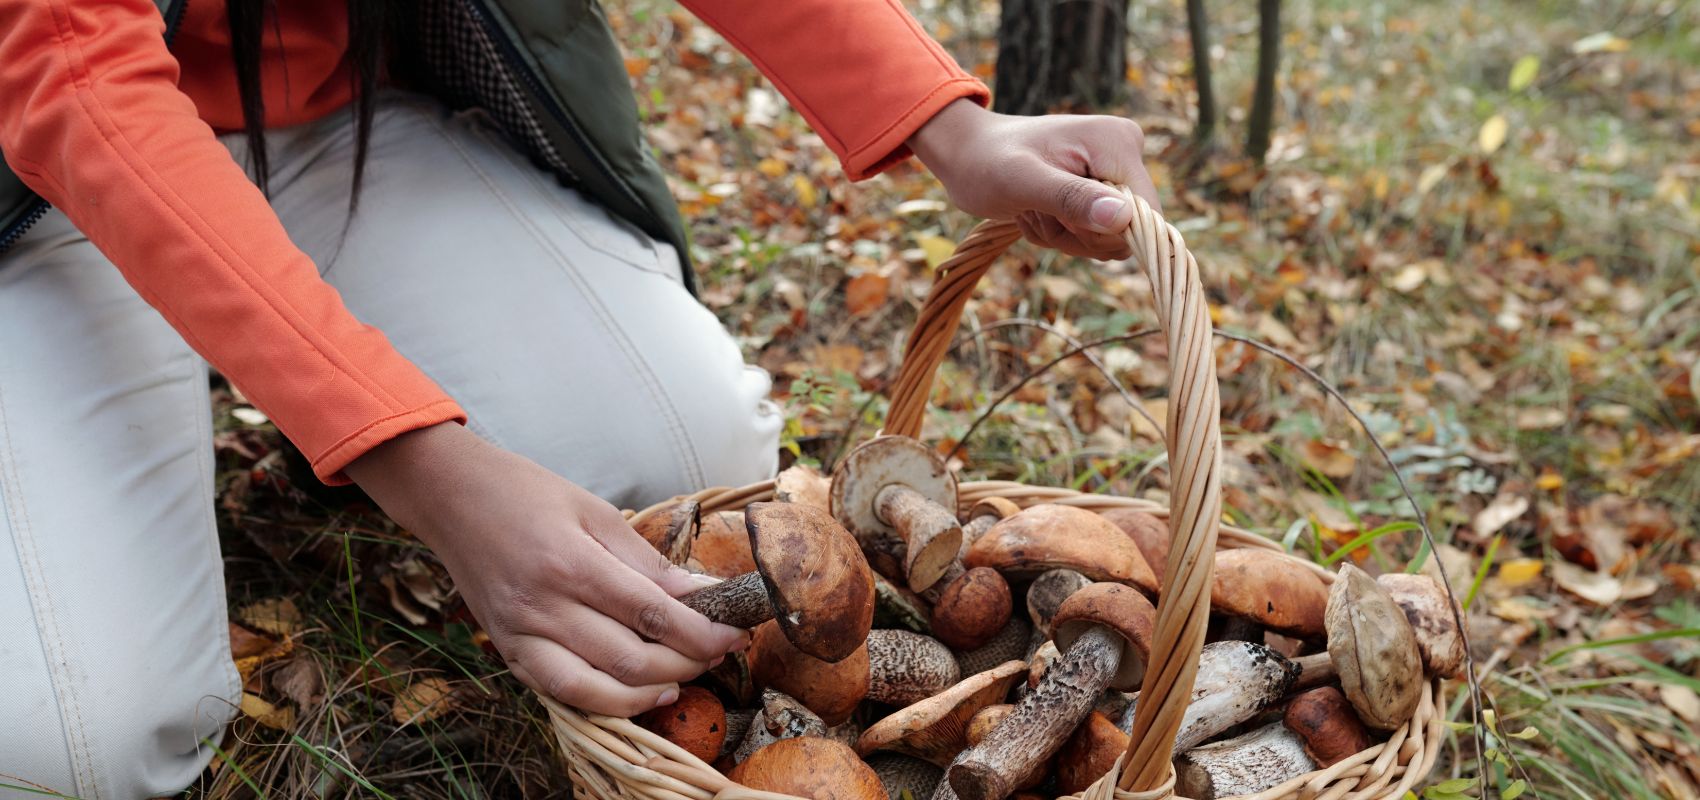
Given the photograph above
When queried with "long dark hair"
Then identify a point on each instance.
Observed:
(368, 23)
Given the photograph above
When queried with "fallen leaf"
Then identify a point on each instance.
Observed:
(1431, 177)
(1594, 587)
(403, 605)
(250, 650)
(249, 416)
(1329, 459)
(1549, 482)
(866, 293)
(259, 710)
(1492, 134)
(805, 190)
(1602, 42)
(1531, 419)
(908, 207)
(1409, 278)
(937, 248)
(1519, 571)
(423, 700)
(1499, 513)
(300, 680)
(1523, 73)
(1681, 700)
(277, 616)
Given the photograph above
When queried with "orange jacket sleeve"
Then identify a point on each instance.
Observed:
(862, 72)
(91, 118)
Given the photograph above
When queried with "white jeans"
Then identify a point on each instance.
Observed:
(565, 334)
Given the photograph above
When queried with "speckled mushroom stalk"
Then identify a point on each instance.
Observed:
(780, 717)
(897, 496)
(810, 576)
(1104, 632)
(1236, 680)
(893, 666)
(1266, 757)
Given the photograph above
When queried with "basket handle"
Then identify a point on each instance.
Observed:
(1195, 459)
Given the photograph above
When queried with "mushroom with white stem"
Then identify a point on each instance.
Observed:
(672, 530)
(981, 518)
(1048, 536)
(810, 576)
(972, 609)
(899, 773)
(1266, 757)
(809, 766)
(1431, 613)
(1104, 632)
(935, 729)
(1270, 591)
(1149, 533)
(1235, 681)
(780, 717)
(892, 666)
(896, 494)
(1373, 647)
(1047, 593)
(1324, 720)
(1010, 644)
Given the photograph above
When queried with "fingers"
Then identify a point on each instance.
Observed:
(653, 614)
(561, 674)
(1045, 231)
(618, 653)
(617, 537)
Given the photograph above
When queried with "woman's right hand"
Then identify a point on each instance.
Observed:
(580, 606)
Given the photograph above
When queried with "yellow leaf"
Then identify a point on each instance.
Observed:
(1492, 134)
(771, 167)
(1519, 571)
(423, 700)
(1602, 42)
(258, 709)
(1523, 73)
(1550, 482)
(277, 616)
(937, 248)
(805, 191)
(1431, 177)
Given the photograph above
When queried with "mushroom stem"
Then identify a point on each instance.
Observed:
(906, 668)
(931, 534)
(1042, 721)
(741, 602)
(1315, 670)
(1249, 764)
(1235, 681)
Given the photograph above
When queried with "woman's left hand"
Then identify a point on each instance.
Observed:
(1042, 172)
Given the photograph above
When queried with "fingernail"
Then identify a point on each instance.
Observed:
(667, 698)
(704, 580)
(1103, 212)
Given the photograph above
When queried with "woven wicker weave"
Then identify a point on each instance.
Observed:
(613, 759)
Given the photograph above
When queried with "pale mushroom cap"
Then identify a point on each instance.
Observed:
(1323, 719)
(820, 585)
(1049, 536)
(1374, 649)
(722, 546)
(1270, 589)
(882, 462)
(831, 689)
(809, 766)
(972, 609)
(1121, 609)
(936, 728)
(1148, 532)
(1000, 507)
(1430, 613)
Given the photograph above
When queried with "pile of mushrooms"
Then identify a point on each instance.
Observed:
(888, 656)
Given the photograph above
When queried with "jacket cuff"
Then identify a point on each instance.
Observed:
(888, 147)
(328, 466)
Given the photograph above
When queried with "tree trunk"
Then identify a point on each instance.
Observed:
(1268, 63)
(1060, 55)
(1198, 28)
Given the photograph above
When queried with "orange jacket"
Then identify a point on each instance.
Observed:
(93, 117)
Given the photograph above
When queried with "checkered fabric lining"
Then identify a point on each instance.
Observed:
(470, 69)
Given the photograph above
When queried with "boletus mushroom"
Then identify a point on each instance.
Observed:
(1104, 632)
(895, 493)
(1148, 532)
(1266, 757)
(780, 717)
(810, 576)
(1430, 612)
(1236, 680)
(722, 546)
(672, 530)
(809, 766)
(801, 483)
(1323, 719)
(1048, 591)
(892, 666)
(695, 722)
(1048, 536)
(1271, 591)
(935, 729)
(1373, 647)
(1089, 753)
(899, 773)
(972, 609)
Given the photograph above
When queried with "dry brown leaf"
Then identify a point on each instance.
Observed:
(259, 710)
(277, 616)
(1594, 587)
(1531, 419)
(423, 700)
(300, 680)
(1499, 513)
(250, 650)
(1681, 700)
(402, 604)
(1329, 458)
(866, 293)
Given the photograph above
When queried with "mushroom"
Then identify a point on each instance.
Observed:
(896, 667)
(897, 607)
(899, 773)
(972, 609)
(1088, 754)
(722, 546)
(672, 530)
(895, 493)
(980, 726)
(1235, 681)
(695, 722)
(810, 576)
(1271, 590)
(1104, 632)
(1048, 536)
(1266, 757)
(801, 483)
(780, 717)
(935, 729)
(1043, 659)
(981, 518)
(1047, 593)
(1430, 611)
(1324, 720)
(1009, 645)
(1148, 532)
(737, 727)
(1372, 645)
(809, 766)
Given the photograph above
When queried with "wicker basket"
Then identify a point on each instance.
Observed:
(613, 759)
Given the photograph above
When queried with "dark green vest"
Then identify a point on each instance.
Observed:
(550, 74)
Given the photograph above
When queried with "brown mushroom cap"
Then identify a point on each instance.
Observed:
(1373, 647)
(1122, 610)
(722, 545)
(672, 530)
(820, 586)
(1088, 754)
(1429, 611)
(1148, 532)
(1050, 536)
(972, 609)
(1270, 589)
(695, 722)
(887, 461)
(1047, 593)
(1000, 507)
(809, 766)
(1324, 720)
(829, 688)
(936, 728)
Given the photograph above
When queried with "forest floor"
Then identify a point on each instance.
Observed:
(1481, 221)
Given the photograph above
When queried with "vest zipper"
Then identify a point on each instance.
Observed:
(39, 207)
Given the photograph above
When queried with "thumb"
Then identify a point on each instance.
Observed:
(1083, 204)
